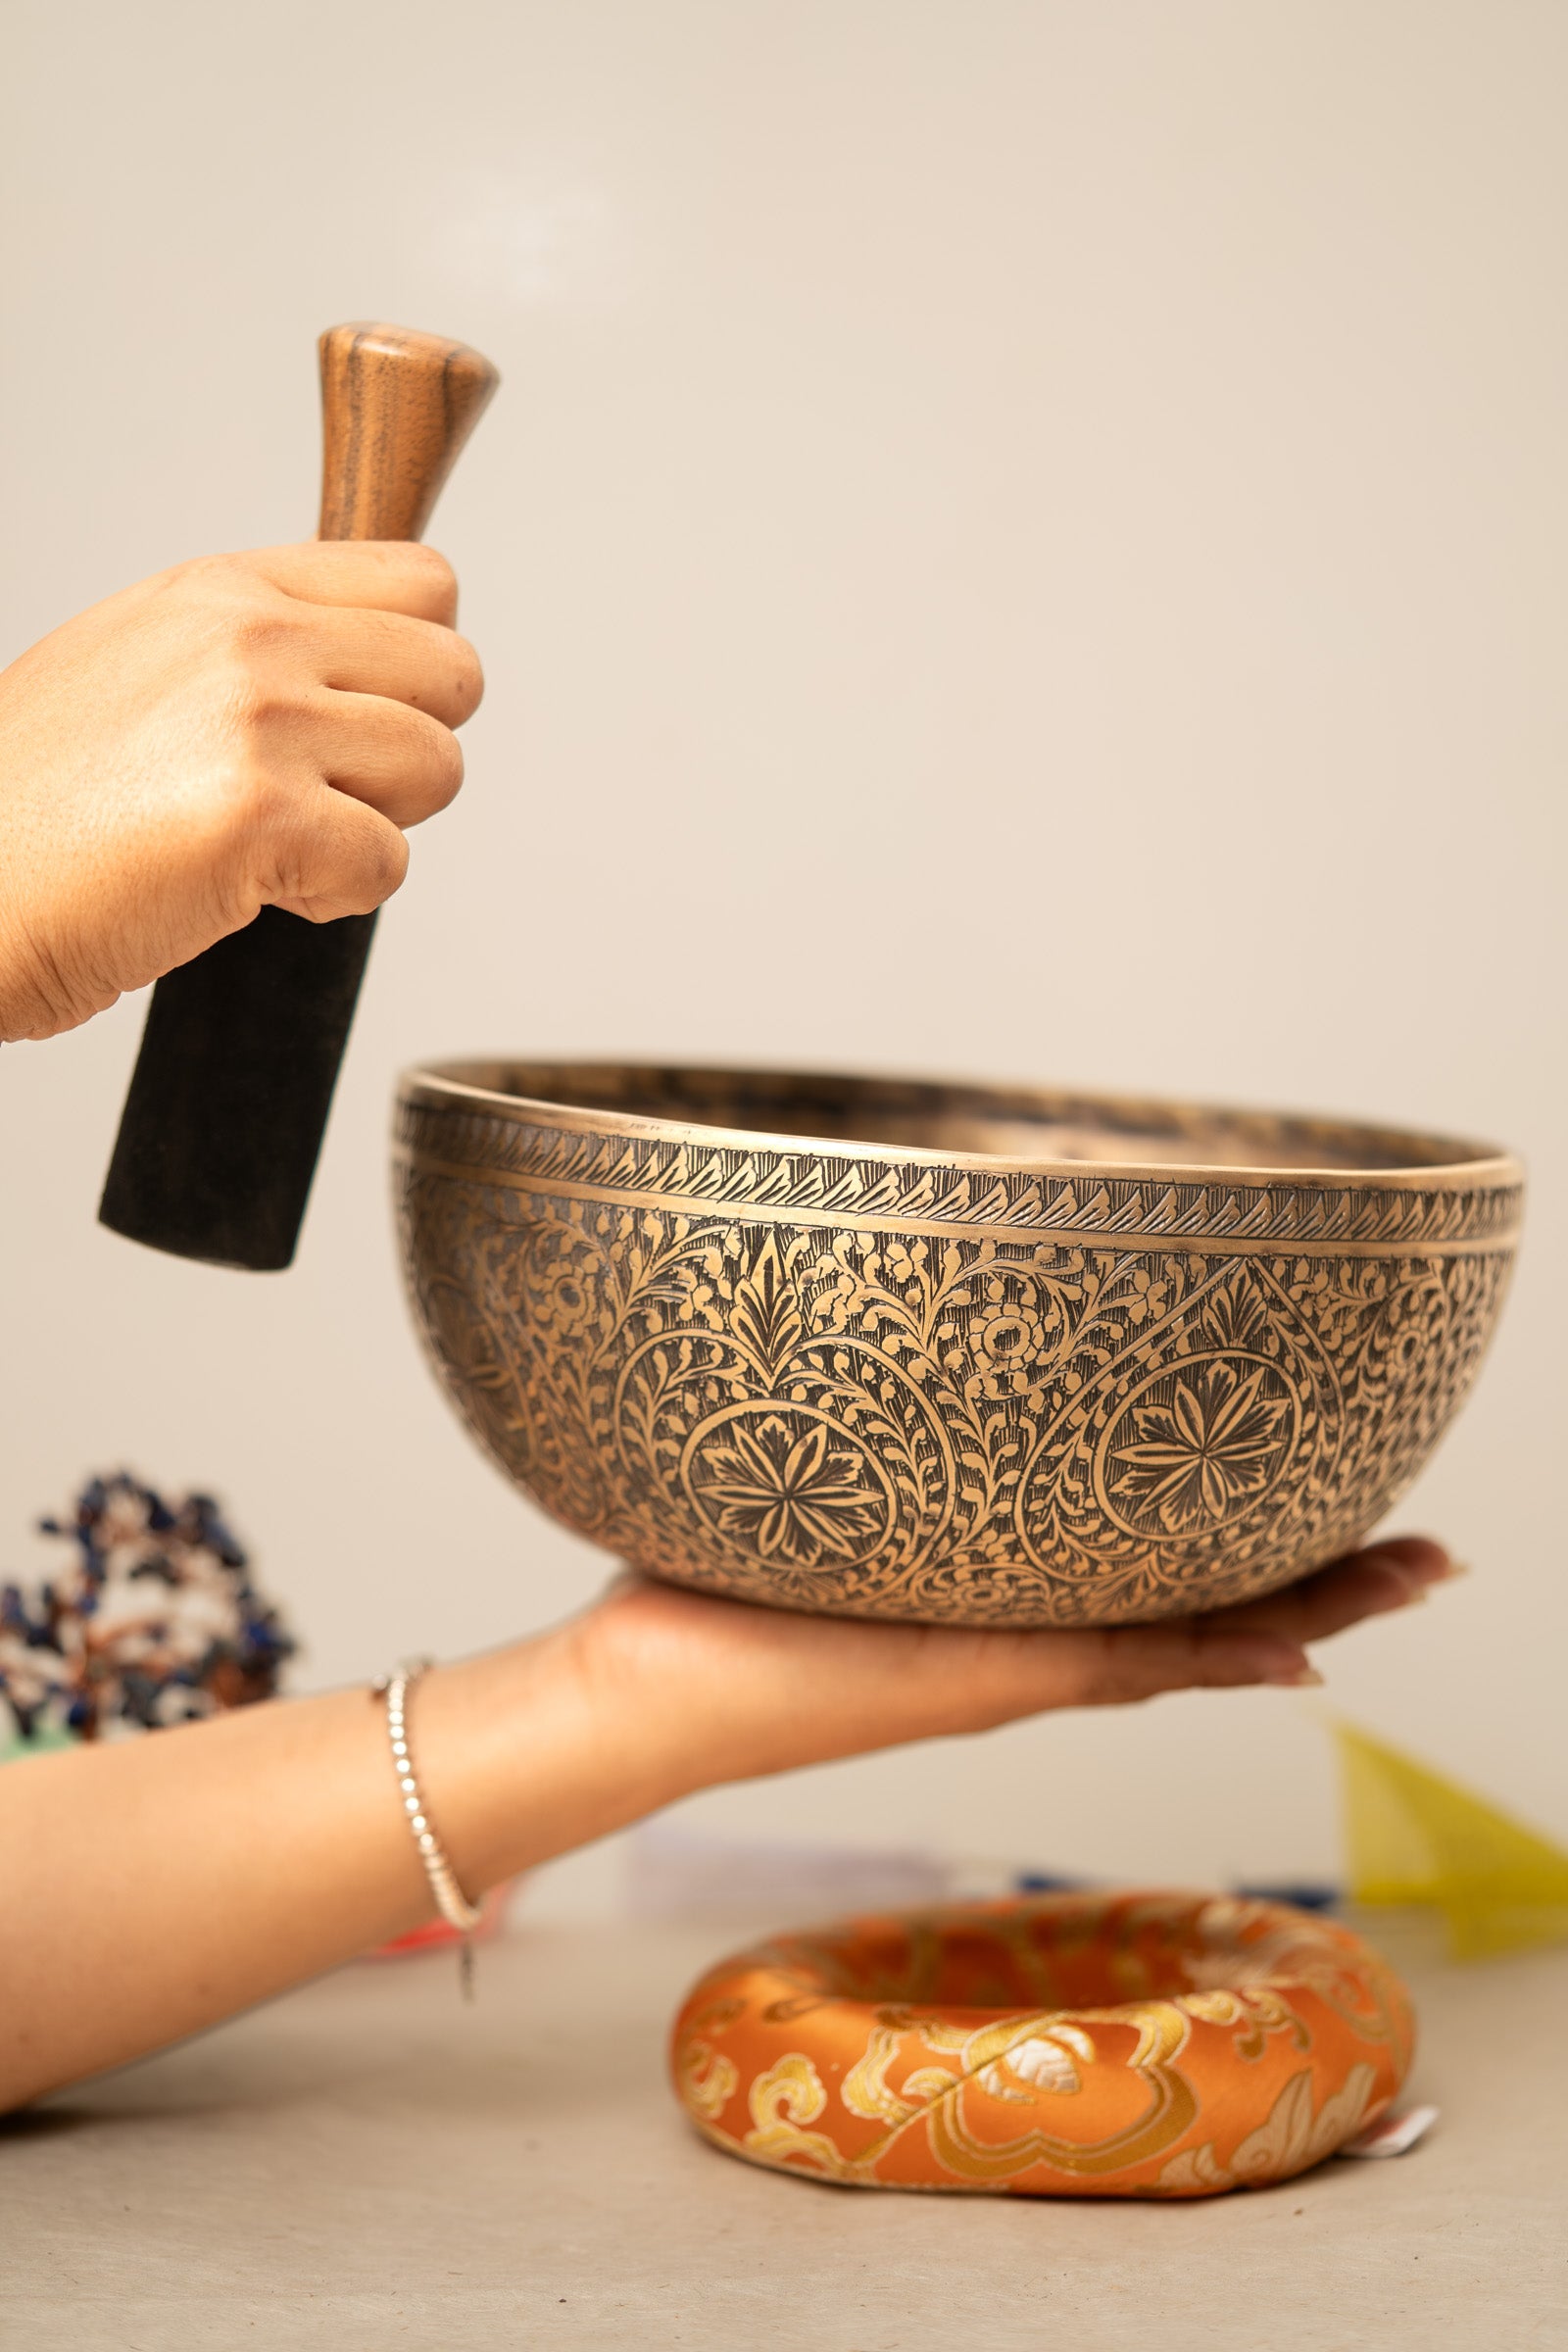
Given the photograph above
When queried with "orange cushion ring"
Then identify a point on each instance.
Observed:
(1078, 2044)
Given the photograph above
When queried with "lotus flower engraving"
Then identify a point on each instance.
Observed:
(1207, 1450)
(787, 1491)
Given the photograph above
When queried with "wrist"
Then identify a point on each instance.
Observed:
(646, 1695)
(701, 1689)
(529, 1752)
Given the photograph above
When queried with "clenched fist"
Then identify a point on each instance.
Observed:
(243, 731)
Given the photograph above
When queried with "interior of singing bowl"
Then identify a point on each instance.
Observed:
(1017, 1127)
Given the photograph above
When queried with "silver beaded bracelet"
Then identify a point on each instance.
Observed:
(451, 1901)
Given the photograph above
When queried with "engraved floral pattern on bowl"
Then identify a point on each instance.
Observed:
(935, 1382)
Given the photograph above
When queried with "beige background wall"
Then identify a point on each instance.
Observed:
(1017, 538)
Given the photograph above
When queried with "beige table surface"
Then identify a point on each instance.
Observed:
(368, 2164)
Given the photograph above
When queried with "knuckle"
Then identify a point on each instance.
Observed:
(386, 862)
(431, 582)
(446, 767)
(248, 697)
(247, 659)
(208, 573)
(429, 763)
(201, 594)
(229, 591)
(430, 566)
(248, 691)
(337, 861)
(260, 623)
(249, 802)
(469, 678)
(236, 833)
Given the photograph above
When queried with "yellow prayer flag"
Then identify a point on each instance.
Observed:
(1413, 1837)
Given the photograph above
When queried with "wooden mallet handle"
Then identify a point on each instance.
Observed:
(396, 408)
(227, 1105)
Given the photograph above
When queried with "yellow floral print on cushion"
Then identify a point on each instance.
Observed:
(1078, 2044)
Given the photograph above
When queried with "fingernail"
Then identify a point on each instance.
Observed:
(1394, 1589)
(1296, 1678)
(1417, 1572)
(1423, 1578)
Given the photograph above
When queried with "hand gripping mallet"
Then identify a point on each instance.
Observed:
(223, 1124)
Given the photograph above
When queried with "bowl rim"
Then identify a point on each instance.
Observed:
(1467, 1164)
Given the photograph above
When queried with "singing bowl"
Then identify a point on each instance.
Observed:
(952, 1353)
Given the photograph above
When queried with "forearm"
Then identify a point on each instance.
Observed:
(156, 1886)
(149, 1888)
